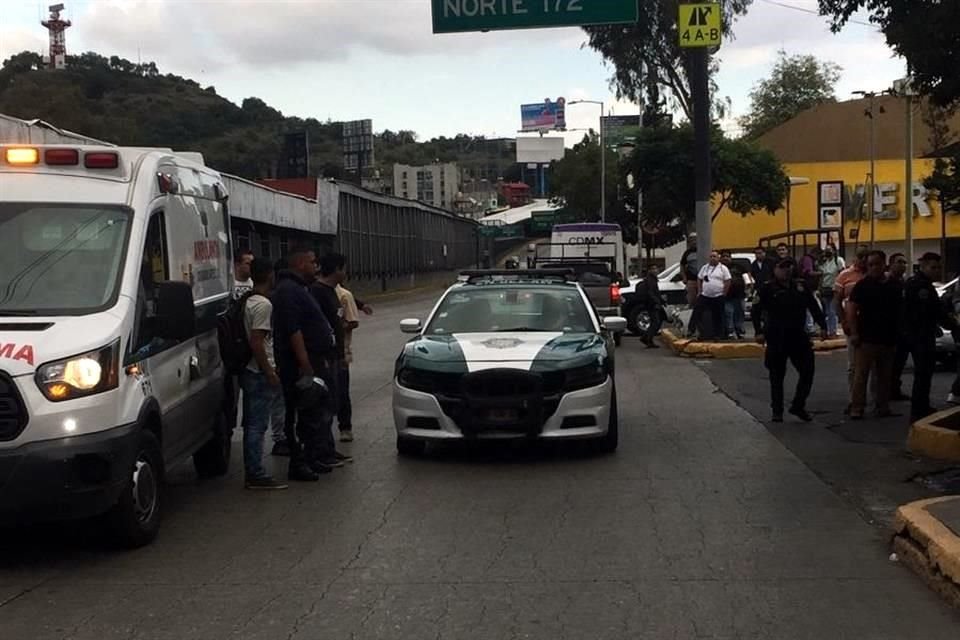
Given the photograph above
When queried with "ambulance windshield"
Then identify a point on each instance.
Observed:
(59, 259)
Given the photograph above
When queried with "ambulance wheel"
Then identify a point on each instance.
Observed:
(213, 459)
(135, 520)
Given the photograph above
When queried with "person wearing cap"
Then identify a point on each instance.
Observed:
(779, 320)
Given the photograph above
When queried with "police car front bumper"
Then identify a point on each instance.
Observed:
(580, 414)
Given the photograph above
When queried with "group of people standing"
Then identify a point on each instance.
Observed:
(299, 321)
(716, 292)
(885, 316)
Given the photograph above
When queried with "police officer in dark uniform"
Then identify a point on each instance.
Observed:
(924, 314)
(780, 318)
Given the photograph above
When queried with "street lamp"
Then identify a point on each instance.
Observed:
(603, 159)
(872, 200)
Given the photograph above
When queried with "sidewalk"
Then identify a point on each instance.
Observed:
(928, 541)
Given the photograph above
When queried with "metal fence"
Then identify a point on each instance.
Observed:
(388, 237)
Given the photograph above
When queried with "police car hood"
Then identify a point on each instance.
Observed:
(542, 351)
(26, 342)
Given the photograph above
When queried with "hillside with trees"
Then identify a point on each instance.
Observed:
(127, 103)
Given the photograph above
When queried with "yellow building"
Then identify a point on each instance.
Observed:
(827, 149)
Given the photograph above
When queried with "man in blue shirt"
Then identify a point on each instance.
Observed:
(303, 337)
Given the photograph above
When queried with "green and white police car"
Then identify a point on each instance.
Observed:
(508, 355)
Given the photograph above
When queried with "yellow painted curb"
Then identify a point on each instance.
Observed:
(935, 442)
(731, 350)
(940, 547)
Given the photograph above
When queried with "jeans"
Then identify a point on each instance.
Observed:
(735, 315)
(830, 311)
(874, 361)
(344, 407)
(711, 317)
(261, 404)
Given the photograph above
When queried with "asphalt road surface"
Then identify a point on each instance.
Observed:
(702, 525)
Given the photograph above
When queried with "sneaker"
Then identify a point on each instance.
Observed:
(342, 457)
(281, 448)
(856, 415)
(346, 435)
(324, 466)
(802, 414)
(265, 483)
(953, 398)
(777, 417)
(302, 473)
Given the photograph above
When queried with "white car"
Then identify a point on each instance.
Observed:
(508, 355)
(946, 345)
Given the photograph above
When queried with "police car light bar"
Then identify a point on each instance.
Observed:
(516, 275)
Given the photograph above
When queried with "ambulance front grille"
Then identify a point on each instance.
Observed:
(13, 413)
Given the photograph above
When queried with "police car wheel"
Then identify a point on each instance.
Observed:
(410, 447)
(608, 442)
(213, 459)
(135, 520)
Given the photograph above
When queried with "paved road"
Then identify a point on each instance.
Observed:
(702, 526)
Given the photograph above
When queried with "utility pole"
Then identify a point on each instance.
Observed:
(700, 93)
(603, 157)
(905, 88)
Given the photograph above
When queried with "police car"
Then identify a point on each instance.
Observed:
(508, 355)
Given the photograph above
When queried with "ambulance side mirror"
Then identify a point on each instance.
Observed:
(176, 318)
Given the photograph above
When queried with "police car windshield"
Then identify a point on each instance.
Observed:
(60, 259)
(499, 309)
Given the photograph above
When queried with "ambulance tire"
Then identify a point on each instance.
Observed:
(135, 520)
(212, 460)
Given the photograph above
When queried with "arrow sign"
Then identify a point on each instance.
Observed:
(700, 25)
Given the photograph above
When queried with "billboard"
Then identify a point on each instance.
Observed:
(619, 131)
(539, 150)
(296, 155)
(544, 116)
(358, 145)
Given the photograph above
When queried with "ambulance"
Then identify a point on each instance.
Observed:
(114, 270)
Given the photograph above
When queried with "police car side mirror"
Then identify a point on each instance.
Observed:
(176, 318)
(410, 325)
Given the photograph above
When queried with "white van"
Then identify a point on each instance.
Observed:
(115, 268)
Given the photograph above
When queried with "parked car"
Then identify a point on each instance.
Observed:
(947, 348)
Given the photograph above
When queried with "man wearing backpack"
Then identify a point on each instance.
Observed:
(262, 397)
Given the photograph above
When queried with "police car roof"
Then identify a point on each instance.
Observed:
(516, 276)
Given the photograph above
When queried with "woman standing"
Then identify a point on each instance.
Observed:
(830, 267)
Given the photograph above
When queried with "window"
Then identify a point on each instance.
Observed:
(284, 245)
(265, 246)
(154, 268)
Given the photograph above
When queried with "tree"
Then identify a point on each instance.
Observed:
(922, 31)
(575, 180)
(745, 178)
(647, 58)
(796, 84)
(945, 181)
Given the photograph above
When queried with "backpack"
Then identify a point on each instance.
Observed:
(235, 348)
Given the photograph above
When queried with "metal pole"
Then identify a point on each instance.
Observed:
(700, 90)
(873, 177)
(909, 203)
(603, 170)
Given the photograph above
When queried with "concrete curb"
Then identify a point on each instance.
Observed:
(929, 547)
(928, 439)
(732, 350)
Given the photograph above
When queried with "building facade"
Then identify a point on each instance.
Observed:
(433, 184)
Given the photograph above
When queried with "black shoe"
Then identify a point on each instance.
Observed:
(265, 484)
(281, 449)
(900, 396)
(302, 473)
(777, 417)
(323, 467)
(342, 457)
(801, 413)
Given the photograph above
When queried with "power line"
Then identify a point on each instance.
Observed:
(813, 12)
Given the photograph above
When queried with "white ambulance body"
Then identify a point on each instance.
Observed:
(115, 266)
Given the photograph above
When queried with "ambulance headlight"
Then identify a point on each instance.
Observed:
(82, 375)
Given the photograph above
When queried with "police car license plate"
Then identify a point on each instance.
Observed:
(503, 415)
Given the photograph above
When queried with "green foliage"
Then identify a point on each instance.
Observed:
(922, 31)
(647, 58)
(945, 181)
(796, 84)
(119, 101)
(575, 180)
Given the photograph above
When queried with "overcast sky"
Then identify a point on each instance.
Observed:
(352, 59)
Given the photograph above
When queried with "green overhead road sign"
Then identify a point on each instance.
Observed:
(700, 25)
(451, 16)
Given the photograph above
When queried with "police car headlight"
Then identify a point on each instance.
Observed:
(415, 379)
(82, 375)
(593, 375)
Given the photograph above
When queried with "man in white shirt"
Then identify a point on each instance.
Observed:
(242, 282)
(713, 284)
(262, 396)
